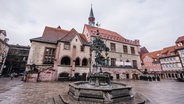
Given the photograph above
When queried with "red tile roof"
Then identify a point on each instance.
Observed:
(156, 54)
(168, 50)
(110, 35)
(72, 33)
(180, 47)
(180, 39)
(144, 55)
(69, 36)
(83, 39)
(53, 35)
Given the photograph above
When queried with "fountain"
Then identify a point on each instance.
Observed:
(99, 88)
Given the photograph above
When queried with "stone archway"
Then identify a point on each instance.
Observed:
(134, 76)
(84, 62)
(127, 76)
(65, 60)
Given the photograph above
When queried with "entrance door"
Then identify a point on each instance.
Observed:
(135, 76)
(117, 76)
(127, 76)
(83, 77)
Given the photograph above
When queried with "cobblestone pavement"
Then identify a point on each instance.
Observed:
(18, 92)
(163, 92)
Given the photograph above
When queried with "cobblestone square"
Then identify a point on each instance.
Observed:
(17, 92)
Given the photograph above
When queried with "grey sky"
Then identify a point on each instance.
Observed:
(156, 23)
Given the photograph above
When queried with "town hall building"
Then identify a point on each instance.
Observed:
(60, 54)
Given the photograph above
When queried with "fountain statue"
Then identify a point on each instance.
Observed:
(99, 88)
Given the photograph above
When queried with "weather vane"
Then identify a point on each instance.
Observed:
(98, 24)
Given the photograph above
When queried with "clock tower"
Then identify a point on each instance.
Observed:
(91, 19)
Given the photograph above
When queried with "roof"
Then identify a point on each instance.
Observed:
(71, 34)
(83, 39)
(18, 46)
(91, 13)
(180, 39)
(156, 54)
(168, 50)
(143, 50)
(53, 35)
(110, 35)
(144, 55)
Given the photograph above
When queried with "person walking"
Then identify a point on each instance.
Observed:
(11, 76)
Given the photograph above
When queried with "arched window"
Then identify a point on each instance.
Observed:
(65, 60)
(84, 62)
(64, 74)
(77, 62)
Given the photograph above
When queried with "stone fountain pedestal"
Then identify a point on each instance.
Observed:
(116, 92)
(100, 90)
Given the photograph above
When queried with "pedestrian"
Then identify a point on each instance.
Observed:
(11, 76)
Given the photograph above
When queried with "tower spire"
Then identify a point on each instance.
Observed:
(91, 19)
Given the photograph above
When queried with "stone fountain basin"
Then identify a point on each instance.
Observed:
(116, 92)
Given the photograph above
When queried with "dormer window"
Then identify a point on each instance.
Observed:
(164, 55)
(173, 53)
(180, 44)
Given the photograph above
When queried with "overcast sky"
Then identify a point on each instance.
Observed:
(156, 23)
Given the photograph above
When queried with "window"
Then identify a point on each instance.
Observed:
(84, 62)
(172, 53)
(113, 62)
(65, 60)
(132, 50)
(82, 48)
(134, 63)
(125, 49)
(164, 54)
(113, 46)
(66, 46)
(49, 56)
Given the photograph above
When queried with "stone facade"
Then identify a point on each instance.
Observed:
(37, 51)
(72, 53)
(123, 57)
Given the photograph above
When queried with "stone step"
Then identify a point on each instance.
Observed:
(58, 100)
